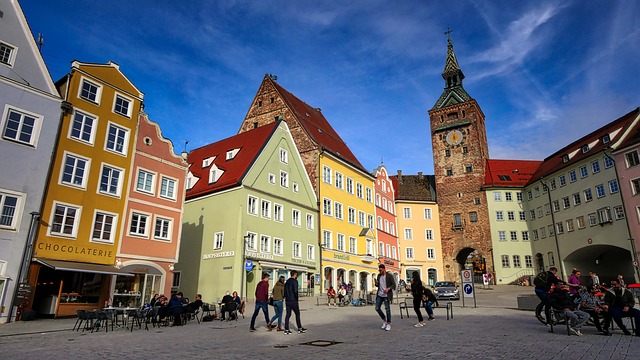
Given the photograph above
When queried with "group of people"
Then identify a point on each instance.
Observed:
(286, 292)
(229, 304)
(177, 306)
(339, 297)
(579, 303)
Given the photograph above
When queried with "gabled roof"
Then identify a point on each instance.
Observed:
(249, 143)
(316, 126)
(109, 73)
(414, 187)
(509, 173)
(595, 142)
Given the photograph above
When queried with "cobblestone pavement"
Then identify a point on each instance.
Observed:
(493, 330)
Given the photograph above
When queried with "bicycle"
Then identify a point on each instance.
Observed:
(541, 316)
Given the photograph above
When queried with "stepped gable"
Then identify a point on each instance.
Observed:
(596, 141)
(414, 187)
(250, 144)
(317, 127)
(509, 173)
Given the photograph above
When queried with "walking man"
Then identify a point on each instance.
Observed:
(386, 284)
(291, 300)
(262, 302)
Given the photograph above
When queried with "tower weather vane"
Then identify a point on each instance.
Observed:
(448, 33)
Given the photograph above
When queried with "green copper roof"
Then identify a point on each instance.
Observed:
(453, 92)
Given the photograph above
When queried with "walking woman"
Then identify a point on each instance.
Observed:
(278, 296)
(417, 290)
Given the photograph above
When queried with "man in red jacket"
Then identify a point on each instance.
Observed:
(262, 300)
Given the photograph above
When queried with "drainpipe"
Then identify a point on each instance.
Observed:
(555, 231)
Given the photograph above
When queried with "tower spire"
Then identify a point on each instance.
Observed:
(452, 74)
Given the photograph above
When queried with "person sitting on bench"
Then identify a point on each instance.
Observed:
(331, 294)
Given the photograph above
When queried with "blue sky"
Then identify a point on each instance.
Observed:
(544, 72)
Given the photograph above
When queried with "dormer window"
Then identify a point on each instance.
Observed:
(504, 177)
(208, 161)
(565, 158)
(214, 174)
(606, 139)
(585, 149)
(232, 153)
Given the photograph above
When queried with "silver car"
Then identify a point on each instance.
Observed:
(446, 290)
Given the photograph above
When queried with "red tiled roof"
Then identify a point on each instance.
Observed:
(250, 144)
(509, 173)
(414, 187)
(614, 130)
(317, 127)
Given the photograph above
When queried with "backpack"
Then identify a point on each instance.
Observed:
(540, 281)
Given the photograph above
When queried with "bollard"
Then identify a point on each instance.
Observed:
(449, 309)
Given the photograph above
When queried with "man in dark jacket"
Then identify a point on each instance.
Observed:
(175, 308)
(262, 302)
(386, 284)
(561, 301)
(543, 291)
(291, 300)
(620, 303)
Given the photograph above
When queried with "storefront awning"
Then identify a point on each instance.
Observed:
(297, 268)
(83, 267)
(271, 265)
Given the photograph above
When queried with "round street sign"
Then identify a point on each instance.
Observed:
(466, 276)
(468, 290)
(249, 265)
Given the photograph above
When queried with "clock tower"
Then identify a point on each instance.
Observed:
(460, 153)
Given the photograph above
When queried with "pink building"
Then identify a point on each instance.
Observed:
(386, 222)
(151, 232)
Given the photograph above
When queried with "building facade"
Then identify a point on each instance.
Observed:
(83, 212)
(250, 209)
(152, 218)
(30, 108)
(386, 226)
(460, 152)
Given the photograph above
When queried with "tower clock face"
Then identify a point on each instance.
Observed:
(454, 137)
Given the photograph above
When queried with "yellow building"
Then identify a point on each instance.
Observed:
(82, 218)
(418, 228)
(347, 231)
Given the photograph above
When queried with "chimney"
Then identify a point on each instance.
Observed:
(400, 176)
(319, 110)
(420, 174)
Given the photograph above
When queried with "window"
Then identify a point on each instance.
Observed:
(587, 195)
(350, 186)
(522, 216)
(499, 215)
(361, 219)
(122, 105)
(351, 215)
(74, 169)
(83, 127)
(457, 220)
(516, 261)
(449, 172)
(566, 203)
(519, 197)
(427, 214)
(560, 228)
(294, 187)
(528, 261)
(277, 246)
(604, 216)
(576, 199)
(447, 152)
(543, 232)
(536, 191)
(583, 172)
(7, 54)
(619, 212)
(551, 230)
(551, 259)
(572, 176)
(145, 181)
(295, 217)
(175, 283)
(218, 240)
(408, 234)
(473, 216)
(339, 181)
(338, 211)
(593, 219)
(168, 188)
(297, 250)
(370, 221)
(556, 205)
(563, 180)
(511, 216)
(407, 212)
(497, 196)
(21, 126)
(570, 226)
(613, 186)
(284, 179)
(552, 184)
(431, 253)
(90, 91)
(595, 166)
(525, 235)
(534, 233)
(378, 199)
(635, 186)
(252, 205)
(505, 261)
(502, 235)
(65, 220)
(369, 193)
(138, 224)
(265, 244)
(600, 191)
(326, 174)
(10, 204)
(632, 159)
(311, 252)
(352, 245)
(608, 162)
(532, 214)
(547, 210)
(110, 180)
(284, 156)
(580, 222)
(429, 234)
(117, 139)
(272, 179)
(468, 168)
(252, 242)
(341, 242)
(409, 252)
(326, 239)
(507, 196)
(162, 229)
(265, 209)
(327, 206)
(360, 191)
(465, 150)
(310, 222)
(529, 195)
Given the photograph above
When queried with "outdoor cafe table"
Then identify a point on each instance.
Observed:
(124, 311)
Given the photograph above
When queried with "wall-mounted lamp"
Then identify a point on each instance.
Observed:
(597, 261)
(118, 263)
(171, 267)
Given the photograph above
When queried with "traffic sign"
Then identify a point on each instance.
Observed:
(249, 265)
(468, 290)
(467, 276)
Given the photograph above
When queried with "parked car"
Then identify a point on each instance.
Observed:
(446, 290)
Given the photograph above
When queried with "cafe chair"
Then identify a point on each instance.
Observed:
(82, 318)
(103, 319)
